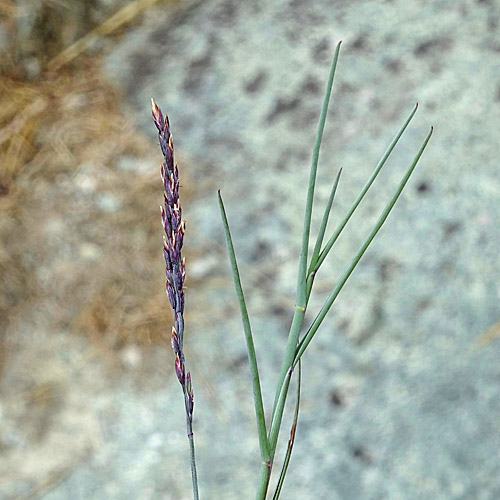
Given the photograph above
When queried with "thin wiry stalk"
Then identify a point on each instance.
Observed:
(254, 370)
(174, 227)
(291, 439)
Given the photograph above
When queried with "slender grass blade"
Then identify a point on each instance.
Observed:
(254, 370)
(291, 439)
(358, 200)
(304, 343)
(324, 222)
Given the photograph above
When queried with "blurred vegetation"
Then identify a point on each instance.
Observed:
(79, 227)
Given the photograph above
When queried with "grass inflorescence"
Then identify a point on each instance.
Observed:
(175, 268)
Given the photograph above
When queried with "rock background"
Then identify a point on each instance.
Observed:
(401, 385)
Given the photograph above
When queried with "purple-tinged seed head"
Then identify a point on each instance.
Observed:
(175, 265)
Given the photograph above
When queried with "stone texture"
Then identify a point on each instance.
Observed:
(400, 400)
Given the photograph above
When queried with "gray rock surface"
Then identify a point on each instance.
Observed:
(400, 399)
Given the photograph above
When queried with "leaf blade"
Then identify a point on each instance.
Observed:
(324, 223)
(252, 358)
(304, 343)
(358, 200)
(291, 439)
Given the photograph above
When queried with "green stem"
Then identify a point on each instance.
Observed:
(252, 358)
(264, 477)
(301, 299)
(329, 302)
(194, 475)
(265, 469)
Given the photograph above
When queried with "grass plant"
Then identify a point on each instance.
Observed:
(309, 265)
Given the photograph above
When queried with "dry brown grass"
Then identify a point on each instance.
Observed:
(122, 17)
(95, 270)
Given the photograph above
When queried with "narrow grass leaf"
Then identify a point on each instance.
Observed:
(254, 370)
(301, 287)
(291, 439)
(354, 206)
(301, 300)
(324, 222)
(328, 304)
(276, 418)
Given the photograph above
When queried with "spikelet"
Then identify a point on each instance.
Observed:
(174, 227)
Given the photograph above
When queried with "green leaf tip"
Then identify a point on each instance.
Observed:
(322, 229)
(324, 252)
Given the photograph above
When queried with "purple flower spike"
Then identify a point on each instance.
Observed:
(175, 269)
